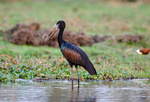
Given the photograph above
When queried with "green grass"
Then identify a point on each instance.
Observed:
(116, 61)
(92, 17)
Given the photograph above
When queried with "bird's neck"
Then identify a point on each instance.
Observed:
(60, 37)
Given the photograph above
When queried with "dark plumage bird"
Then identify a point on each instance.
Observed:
(74, 55)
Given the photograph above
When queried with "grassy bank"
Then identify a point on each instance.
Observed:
(115, 61)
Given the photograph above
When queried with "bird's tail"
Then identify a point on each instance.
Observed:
(90, 68)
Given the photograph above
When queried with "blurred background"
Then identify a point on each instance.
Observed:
(92, 17)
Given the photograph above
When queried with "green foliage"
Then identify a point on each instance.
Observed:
(113, 64)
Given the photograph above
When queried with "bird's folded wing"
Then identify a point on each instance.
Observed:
(72, 56)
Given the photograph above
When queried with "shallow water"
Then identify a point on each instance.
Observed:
(61, 91)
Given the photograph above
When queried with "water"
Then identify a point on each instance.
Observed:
(61, 91)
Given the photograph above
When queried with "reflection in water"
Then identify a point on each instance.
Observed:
(61, 91)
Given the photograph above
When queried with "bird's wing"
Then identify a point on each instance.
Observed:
(77, 56)
(73, 54)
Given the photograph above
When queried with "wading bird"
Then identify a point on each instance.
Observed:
(74, 55)
(143, 51)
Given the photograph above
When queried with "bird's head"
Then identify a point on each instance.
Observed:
(139, 52)
(59, 25)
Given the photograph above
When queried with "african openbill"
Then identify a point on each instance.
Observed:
(74, 55)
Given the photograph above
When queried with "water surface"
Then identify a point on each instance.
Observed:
(61, 91)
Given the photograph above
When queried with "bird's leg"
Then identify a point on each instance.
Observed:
(78, 76)
(72, 76)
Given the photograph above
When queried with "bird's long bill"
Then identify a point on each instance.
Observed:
(52, 32)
